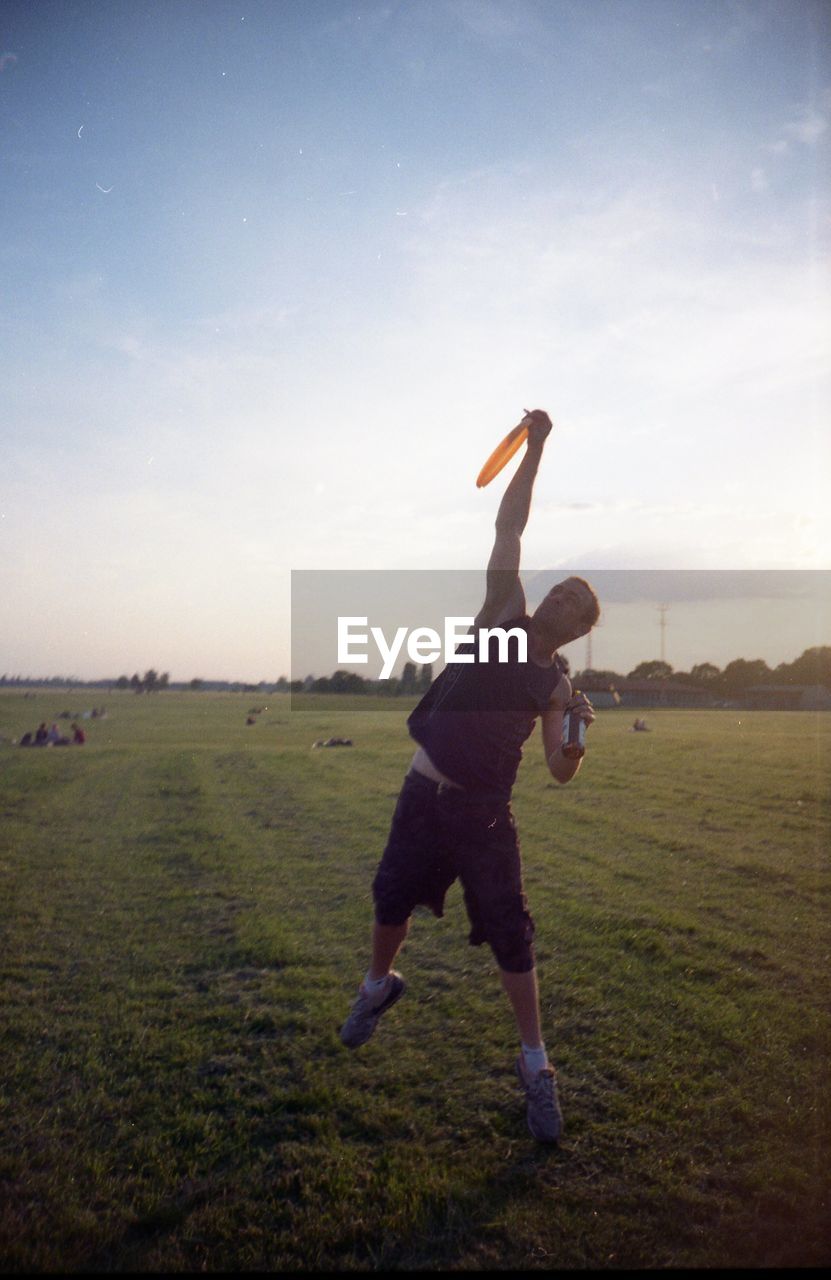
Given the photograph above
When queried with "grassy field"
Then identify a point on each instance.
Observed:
(185, 911)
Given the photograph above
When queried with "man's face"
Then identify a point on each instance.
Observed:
(562, 613)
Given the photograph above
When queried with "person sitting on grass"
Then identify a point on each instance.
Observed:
(453, 818)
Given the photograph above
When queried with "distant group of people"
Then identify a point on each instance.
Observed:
(43, 737)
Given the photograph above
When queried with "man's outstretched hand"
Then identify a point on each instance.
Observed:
(539, 425)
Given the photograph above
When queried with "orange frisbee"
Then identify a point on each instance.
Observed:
(503, 453)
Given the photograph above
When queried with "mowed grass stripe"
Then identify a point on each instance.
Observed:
(132, 1000)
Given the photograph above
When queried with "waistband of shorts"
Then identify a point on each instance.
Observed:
(454, 791)
(421, 780)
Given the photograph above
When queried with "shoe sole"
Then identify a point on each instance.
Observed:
(395, 994)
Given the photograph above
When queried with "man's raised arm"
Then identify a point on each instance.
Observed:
(504, 596)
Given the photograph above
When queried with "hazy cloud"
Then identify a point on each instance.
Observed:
(808, 127)
(628, 586)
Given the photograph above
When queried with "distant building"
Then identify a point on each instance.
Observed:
(600, 693)
(787, 697)
(674, 693)
(662, 693)
(644, 693)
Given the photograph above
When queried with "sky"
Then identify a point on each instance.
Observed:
(277, 277)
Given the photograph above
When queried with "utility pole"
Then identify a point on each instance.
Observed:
(663, 609)
(589, 666)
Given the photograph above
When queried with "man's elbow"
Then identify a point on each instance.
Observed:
(562, 770)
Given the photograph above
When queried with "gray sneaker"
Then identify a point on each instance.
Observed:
(544, 1116)
(363, 1019)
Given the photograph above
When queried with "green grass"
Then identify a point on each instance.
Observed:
(185, 908)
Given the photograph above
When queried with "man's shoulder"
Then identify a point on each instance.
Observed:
(561, 692)
(522, 620)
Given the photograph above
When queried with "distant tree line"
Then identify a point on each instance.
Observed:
(67, 681)
(811, 667)
(150, 682)
(411, 681)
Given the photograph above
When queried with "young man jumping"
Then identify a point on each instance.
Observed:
(453, 818)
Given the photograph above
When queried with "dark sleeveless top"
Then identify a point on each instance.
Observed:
(475, 717)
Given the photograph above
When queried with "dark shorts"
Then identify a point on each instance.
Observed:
(440, 834)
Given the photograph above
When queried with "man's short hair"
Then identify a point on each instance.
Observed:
(592, 610)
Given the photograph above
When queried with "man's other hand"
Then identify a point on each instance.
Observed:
(579, 705)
